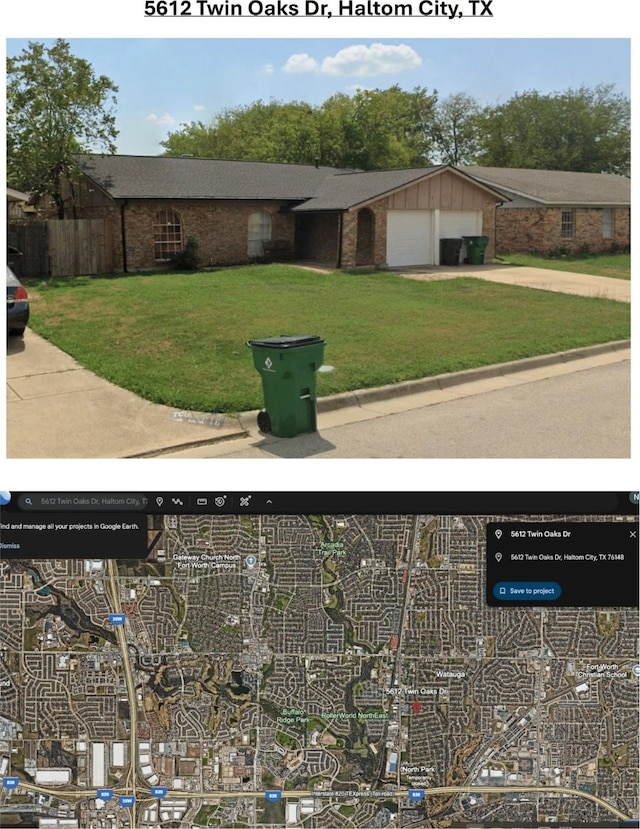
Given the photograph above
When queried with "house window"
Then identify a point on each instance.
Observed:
(167, 235)
(566, 224)
(259, 232)
(607, 223)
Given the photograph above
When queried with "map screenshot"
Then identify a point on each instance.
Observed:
(320, 661)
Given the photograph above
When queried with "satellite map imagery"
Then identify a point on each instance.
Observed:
(322, 671)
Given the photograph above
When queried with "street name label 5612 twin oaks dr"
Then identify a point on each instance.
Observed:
(313, 8)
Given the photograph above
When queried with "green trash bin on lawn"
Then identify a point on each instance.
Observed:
(288, 366)
(476, 246)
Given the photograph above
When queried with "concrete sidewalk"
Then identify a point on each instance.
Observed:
(57, 409)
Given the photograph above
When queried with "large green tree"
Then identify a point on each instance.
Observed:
(272, 131)
(584, 130)
(456, 131)
(56, 106)
(379, 128)
(372, 129)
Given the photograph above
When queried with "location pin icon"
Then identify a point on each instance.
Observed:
(498, 534)
(498, 556)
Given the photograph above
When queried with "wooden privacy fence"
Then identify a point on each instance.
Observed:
(62, 247)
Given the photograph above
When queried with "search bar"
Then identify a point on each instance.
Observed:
(82, 501)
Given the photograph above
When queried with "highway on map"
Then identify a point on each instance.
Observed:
(403, 794)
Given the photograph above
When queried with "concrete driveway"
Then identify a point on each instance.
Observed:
(543, 279)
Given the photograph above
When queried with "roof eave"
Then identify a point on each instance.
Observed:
(583, 203)
(497, 194)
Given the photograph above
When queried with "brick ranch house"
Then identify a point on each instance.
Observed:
(241, 210)
(550, 210)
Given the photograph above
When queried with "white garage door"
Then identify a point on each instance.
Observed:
(456, 223)
(408, 237)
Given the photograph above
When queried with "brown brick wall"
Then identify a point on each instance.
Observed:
(489, 228)
(317, 237)
(537, 229)
(350, 236)
(219, 227)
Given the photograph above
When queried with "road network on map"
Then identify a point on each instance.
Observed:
(309, 671)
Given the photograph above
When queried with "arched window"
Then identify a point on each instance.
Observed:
(259, 232)
(167, 235)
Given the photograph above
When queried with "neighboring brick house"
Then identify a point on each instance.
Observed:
(551, 210)
(239, 211)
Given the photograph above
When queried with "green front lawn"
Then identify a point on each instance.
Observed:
(615, 265)
(180, 339)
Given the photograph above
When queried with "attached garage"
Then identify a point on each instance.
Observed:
(440, 205)
(413, 236)
(393, 218)
(409, 237)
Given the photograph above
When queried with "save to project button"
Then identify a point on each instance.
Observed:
(527, 591)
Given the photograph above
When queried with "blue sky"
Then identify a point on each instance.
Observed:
(165, 82)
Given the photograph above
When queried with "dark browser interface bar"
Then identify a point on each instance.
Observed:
(295, 502)
(552, 561)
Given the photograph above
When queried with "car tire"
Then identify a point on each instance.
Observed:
(17, 331)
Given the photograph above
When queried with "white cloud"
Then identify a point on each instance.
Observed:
(199, 108)
(268, 68)
(165, 120)
(367, 61)
(300, 63)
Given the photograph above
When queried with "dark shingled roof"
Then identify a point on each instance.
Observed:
(165, 177)
(346, 189)
(318, 188)
(557, 187)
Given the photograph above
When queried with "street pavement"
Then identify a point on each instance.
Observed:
(584, 413)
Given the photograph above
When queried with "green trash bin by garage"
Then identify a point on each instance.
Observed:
(288, 366)
(476, 246)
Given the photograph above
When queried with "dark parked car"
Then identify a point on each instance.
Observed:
(17, 304)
